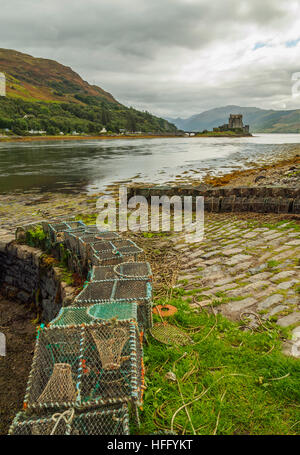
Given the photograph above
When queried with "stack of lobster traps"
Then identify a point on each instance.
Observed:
(87, 375)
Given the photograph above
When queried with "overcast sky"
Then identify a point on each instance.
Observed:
(171, 57)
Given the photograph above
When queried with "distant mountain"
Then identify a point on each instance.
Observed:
(260, 120)
(42, 94)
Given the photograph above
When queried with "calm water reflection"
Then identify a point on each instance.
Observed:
(92, 165)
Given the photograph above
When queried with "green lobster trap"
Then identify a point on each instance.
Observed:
(85, 241)
(100, 273)
(111, 363)
(69, 316)
(81, 367)
(140, 270)
(122, 311)
(52, 382)
(113, 421)
(117, 289)
(120, 251)
(106, 258)
(77, 243)
(127, 290)
(56, 231)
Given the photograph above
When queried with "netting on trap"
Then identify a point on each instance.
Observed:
(71, 241)
(80, 367)
(129, 290)
(111, 363)
(138, 270)
(170, 334)
(86, 241)
(54, 374)
(69, 316)
(114, 257)
(133, 270)
(113, 310)
(106, 235)
(78, 240)
(100, 273)
(100, 233)
(106, 258)
(57, 231)
(72, 316)
(103, 422)
(118, 289)
(113, 421)
(99, 246)
(94, 292)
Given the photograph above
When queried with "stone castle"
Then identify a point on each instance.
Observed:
(235, 123)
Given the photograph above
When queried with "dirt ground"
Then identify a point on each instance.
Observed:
(16, 323)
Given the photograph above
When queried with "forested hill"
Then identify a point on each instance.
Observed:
(45, 95)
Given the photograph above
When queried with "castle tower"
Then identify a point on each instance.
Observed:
(2, 84)
(236, 121)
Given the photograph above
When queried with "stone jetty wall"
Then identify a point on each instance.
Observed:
(227, 199)
(26, 276)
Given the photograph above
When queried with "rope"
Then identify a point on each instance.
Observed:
(67, 416)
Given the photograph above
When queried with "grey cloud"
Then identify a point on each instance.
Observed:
(136, 48)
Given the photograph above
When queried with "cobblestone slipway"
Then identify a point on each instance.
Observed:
(239, 267)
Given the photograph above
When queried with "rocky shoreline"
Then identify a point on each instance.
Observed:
(284, 172)
(86, 138)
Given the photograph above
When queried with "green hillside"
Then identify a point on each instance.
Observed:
(43, 95)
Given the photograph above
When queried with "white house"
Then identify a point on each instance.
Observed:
(104, 130)
(37, 132)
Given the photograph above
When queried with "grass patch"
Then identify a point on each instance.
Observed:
(283, 225)
(272, 264)
(150, 235)
(89, 218)
(244, 384)
(36, 237)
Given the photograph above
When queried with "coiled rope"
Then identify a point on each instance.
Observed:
(67, 416)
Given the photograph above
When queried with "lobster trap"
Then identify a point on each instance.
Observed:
(81, 367)
(53, 378)
(85, 241)
(56, 231)
(70, 316)
(140, 270)
(121, 311)
(111, 363)
(119, 251)
(113, 421)
(127, 290)
(107, 258)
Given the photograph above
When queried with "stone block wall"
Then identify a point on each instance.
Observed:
(235, 199)
(26, 276)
